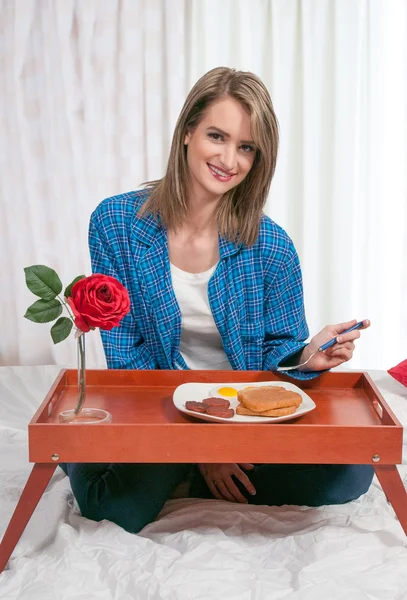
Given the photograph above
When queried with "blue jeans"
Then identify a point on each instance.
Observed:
(132, 495)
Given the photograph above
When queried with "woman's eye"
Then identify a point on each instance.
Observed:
(247, 148)
(215, 136)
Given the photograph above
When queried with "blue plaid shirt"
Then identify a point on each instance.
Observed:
(255, 294)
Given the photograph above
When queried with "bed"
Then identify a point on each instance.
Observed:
(196, 549)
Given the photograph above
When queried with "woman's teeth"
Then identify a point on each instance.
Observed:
(220, 173)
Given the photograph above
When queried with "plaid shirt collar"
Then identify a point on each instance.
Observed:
(149, 231)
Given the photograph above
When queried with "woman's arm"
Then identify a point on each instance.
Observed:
(286, 347)
(286, 329)
(124, 346)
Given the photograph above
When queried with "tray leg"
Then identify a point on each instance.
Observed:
(392, 484)
(31, 495)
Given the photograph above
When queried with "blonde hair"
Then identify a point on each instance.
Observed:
(239, 212)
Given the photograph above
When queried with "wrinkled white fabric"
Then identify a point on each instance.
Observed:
(197, 549)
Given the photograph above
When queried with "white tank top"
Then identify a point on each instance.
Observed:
(201, 345)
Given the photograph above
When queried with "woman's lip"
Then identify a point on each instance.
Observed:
(227, 177)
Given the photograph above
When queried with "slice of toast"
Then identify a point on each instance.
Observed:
(268, 397)
(278, 412)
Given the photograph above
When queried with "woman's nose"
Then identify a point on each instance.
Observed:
(228, 157)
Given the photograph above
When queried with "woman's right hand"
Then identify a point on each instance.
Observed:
(218, 477)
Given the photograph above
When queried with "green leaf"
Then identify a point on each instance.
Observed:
(61, 329)
(44, 311)
(43, 281)
(68, 290)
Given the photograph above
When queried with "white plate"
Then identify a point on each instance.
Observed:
(199, 391)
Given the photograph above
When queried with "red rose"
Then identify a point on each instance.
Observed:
(98, 301)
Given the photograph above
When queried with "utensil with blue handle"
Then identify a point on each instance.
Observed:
(322, 348)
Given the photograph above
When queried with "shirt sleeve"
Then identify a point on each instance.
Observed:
(124, 346)
(286, 329)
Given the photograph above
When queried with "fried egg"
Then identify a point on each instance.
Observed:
(224, 391)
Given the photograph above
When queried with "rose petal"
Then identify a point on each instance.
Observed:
(78, 318)
(100, 301)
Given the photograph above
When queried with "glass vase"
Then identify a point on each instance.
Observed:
(80, 414)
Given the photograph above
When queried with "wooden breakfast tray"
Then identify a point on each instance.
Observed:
(352, 424)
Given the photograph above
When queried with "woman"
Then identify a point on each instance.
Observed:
(214, 284)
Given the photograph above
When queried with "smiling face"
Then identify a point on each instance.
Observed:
(220, 149)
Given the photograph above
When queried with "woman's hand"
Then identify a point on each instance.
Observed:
(337, 354)
(220, 481)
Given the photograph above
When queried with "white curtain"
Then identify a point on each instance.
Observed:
(90, 94)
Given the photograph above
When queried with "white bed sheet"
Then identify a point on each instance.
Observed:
(197, 549)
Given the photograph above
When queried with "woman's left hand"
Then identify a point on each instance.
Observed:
(337, 354)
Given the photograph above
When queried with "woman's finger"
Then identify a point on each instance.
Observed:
(348, 337)
(343, 354)
(214, 489)
(226, 492)
(338, 328)
(331, 363)
(234, 491)
(246, 466)
(210, 472)
(348, 346)
(244, 480)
